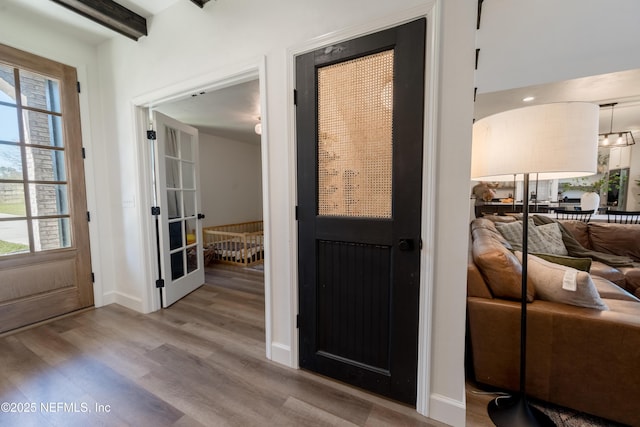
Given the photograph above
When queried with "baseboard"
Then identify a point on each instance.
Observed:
(281, 353)
(447, 410)
(124, 300)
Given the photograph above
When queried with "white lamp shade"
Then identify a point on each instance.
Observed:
(552, 140)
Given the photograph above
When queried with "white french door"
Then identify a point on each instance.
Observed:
(178, 197)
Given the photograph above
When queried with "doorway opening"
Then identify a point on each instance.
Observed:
(232, 172)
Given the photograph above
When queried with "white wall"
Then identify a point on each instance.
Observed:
(186, 42)
(231, 180)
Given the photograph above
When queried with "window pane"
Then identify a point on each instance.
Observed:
(175, 235)
(41, 92)
(14, 237)
(192, 260)
(174, 204)
(188, 176)
(177, 265)
(10, 162)
(186, 153)
(173, 173)
(7, 84)
(12, 200)
(48, 199)
(171, 143)
(43, 129)
(9, 124)
(190, 229)
(51, 234)
(45, 165)
(189, 203)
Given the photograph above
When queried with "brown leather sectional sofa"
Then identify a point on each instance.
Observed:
(581, 358)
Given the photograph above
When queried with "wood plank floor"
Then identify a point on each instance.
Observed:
(200, 362)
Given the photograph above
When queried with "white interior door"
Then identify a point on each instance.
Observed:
(180, 227)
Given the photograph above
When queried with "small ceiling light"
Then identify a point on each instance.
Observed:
(528, 99)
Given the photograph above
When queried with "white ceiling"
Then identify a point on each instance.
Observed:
(231, 112)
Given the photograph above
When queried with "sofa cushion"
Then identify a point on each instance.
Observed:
(609, 290)
(617, 239)
(579, 230)
(582, 264)
(612, 274)
(548, 279)
(632, 279)
(542, 239)
(498, 265)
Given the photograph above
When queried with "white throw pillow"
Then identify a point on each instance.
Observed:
(554, 282)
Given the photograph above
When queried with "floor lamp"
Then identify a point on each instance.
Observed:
(554, 141)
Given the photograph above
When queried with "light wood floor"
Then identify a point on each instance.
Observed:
(200, 362)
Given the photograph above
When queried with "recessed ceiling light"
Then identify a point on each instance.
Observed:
(528, 99)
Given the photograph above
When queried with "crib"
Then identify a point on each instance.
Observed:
(238, 244)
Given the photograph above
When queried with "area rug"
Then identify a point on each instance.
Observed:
(564, 417)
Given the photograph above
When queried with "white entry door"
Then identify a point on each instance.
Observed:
(180, 226)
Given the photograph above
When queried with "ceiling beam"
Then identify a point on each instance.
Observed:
(110, 14)
(200, 3)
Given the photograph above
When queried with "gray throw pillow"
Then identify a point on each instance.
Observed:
(545, 239)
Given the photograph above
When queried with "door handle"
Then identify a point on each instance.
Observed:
(200, 216)
(406, 244)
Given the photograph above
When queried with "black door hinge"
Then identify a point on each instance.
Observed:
(88, 216)
(151, 134)
(297, 321)
(93, 277)
(296, 213)
(295, 97)
(160, 283)
(84, 153)
(155, 210)
(78, 86)
(420, 243)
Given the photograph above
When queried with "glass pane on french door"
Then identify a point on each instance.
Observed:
(181, 202)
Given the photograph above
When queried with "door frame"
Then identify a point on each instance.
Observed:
(431, 11)
(166, 93)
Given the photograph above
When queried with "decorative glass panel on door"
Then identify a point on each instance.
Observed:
(355, 149)
(33, 162)
(181, 202)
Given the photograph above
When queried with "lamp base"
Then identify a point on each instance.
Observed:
(515, 411)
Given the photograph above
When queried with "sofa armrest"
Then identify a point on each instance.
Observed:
(476, 285)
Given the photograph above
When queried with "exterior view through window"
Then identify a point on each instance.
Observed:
(34, 207)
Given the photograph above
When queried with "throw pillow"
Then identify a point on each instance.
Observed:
(582, 264)
(542, 239)
(552, 239)
(500, 268)
(552, 283)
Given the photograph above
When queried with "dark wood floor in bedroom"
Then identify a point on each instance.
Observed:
(200, 362)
